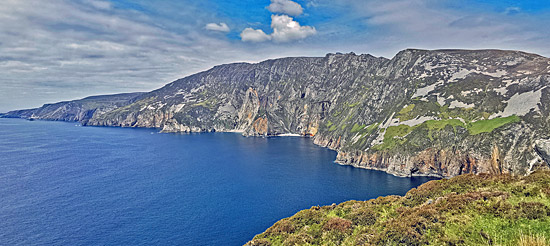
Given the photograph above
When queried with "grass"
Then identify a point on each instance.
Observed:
(438, 125)
(209, 103)
(356, 128)
(482, 126)
(464, 210)
(406, 113)
(394, 136)
(369, 129)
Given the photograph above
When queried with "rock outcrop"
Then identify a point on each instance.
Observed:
(440, 113)
(543, 149)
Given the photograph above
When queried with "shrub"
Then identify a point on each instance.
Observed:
(282, 226)
(259, 242)
(298, 239)
(499, 207)
(532, 210)
(538, 177)
(362, 216)
(337, 224)
(308, 217)
(410, 228)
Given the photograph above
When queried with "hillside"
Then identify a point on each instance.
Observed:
(440, 113)
(78, 110)
(464, 210)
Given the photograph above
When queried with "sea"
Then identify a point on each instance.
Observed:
(65, 184)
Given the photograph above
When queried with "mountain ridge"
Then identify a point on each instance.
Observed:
(423, 112)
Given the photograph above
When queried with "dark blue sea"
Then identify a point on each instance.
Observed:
(63, 184)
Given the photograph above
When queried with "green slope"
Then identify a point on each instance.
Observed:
(464, 210)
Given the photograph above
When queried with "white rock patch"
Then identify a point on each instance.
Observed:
(466, 93)
(459, 75)
(414, 122)
(459, 104)
(429, 67)
(497, 74)
(501, 90)
(521, 104)
(441, 100)
(424, 91)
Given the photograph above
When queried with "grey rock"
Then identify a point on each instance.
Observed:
(543, 149)
(436, 113)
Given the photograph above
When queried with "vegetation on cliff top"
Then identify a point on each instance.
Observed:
(396, 135)
(464, 210)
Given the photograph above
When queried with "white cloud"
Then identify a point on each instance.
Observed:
(432, 24)
(286, 29)
(285, 7)
(254, 35)
(84, 50)
(100, 4)
(222, 27)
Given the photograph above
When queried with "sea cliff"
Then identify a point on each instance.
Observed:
(424, 112)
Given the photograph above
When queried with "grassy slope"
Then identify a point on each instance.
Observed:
(464, 210)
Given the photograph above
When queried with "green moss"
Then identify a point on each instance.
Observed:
(353, 104)
(482, 126)
(208, 103)
(464, 210)
(406, 113)
(332, 128)
(348, 119)
(356, 127)
(438, 125)
(394, 136)
(369, 129)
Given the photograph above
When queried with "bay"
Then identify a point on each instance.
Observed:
(63, 184)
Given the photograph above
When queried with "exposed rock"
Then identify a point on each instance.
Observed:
(543, 149)
(439, 113)
(79, 110)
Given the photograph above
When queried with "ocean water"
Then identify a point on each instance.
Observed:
(63, 184)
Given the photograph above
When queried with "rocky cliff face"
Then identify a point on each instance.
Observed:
(441, 113)
(79, 110)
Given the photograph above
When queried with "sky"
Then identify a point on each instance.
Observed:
(59, 50)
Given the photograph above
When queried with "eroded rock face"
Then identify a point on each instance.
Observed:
(542, 147)
(440, 113)
(79, 110)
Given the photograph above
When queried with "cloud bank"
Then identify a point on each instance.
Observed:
(68, 49)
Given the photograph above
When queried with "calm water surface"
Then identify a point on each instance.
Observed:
(62, 184)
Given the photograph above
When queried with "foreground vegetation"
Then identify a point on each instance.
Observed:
(464, 210)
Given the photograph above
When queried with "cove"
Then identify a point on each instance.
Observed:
(63, 184)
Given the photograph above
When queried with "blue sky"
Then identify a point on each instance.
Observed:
(67, 49)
